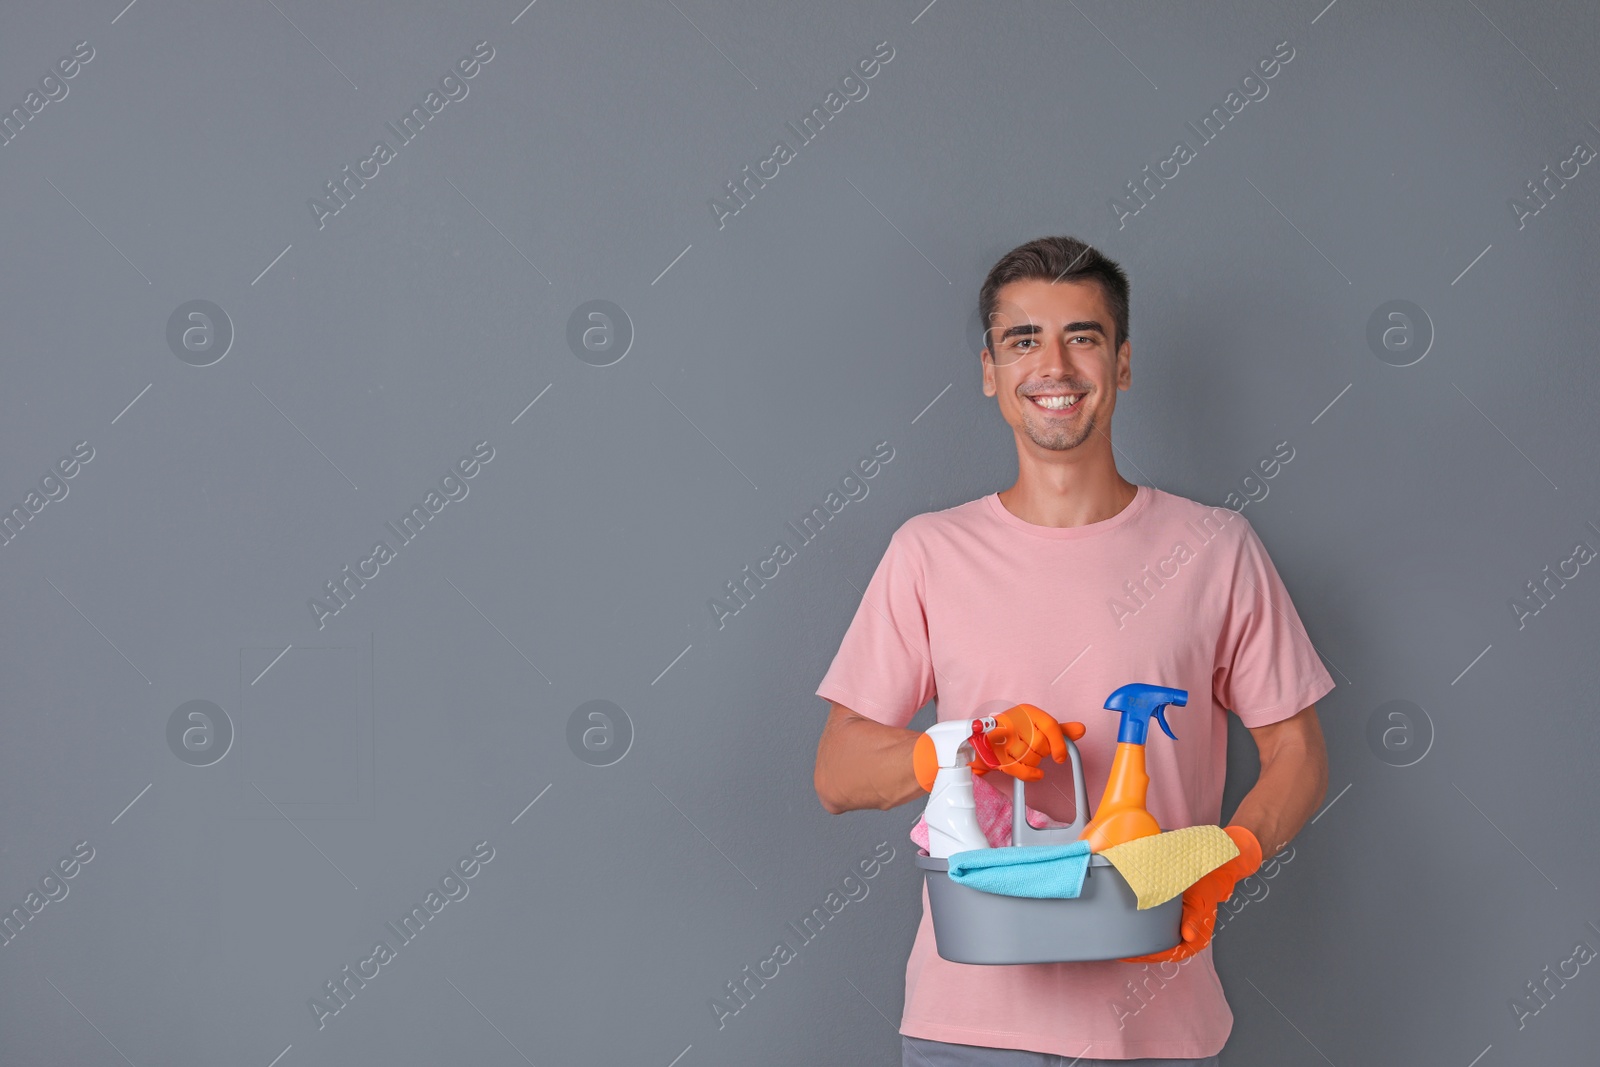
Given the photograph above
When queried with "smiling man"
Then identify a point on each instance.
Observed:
(1001, 601)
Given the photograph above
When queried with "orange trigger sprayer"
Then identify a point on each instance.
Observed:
(1121, 815)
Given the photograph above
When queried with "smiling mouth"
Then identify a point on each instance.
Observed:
(1058, 403)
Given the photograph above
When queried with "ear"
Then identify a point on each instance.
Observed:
(987, 359)
(1124, 371)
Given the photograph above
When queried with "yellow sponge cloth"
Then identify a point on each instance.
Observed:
(1161, 866)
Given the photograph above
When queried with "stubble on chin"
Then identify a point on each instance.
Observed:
(1058, 440)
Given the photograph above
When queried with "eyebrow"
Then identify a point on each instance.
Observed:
(1082, 326)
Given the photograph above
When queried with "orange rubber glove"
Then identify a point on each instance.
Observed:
(1201, 899)
(1022, 736)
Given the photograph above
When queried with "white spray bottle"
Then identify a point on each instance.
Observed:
(942, 761)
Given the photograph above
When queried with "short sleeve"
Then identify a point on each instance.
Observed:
(882, 669)
(1266, 667)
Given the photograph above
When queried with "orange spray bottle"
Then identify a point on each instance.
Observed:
(1121, 815)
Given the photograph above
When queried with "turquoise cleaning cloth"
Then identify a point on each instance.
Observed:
(1024, 870)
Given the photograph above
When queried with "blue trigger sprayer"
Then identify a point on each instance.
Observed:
(1121, 814)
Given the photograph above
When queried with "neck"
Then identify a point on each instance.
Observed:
(1055, 493)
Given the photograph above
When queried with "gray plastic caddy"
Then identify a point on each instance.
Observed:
(1101, 923)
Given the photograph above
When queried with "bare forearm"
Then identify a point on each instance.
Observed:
(1291, 786)
(865, 764)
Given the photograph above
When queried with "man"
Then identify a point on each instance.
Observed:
(1055, 592)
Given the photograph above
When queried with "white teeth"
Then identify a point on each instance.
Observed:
(1056, 403)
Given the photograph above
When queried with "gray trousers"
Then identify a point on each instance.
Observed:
(921, 1052)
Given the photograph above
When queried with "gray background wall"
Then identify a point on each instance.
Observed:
(368, 356)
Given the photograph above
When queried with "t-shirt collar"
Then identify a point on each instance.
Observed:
(1141, 498)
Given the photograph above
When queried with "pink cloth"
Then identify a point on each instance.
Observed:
(994, 812)
(980, 611)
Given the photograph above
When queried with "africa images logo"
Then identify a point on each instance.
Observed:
(451, 86)
(851, 487)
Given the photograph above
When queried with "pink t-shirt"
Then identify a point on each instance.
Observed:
(980, 610)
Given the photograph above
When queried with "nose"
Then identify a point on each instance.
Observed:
(1052, 355)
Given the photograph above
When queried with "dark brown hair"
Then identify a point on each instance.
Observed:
(1058, 259)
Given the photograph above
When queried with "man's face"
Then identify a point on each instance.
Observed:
(1053, 340)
